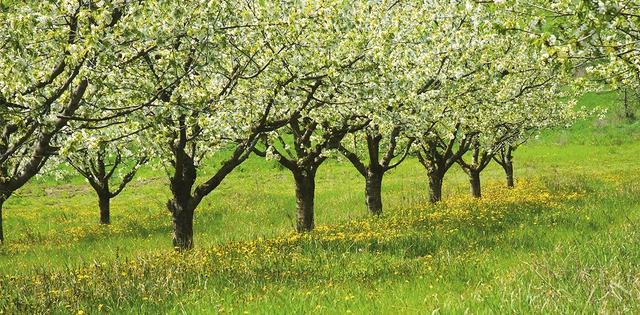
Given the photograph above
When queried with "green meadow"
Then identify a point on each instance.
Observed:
(565, 240)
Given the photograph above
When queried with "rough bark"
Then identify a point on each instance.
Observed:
(435, 186)
(305, 192)
(182, 218)
(182, 181)
(480, 158)
(508, 170)
(104, 203)
(505, 159)
(474, 184)
(373, 191)
(473, 173)
(180, 207)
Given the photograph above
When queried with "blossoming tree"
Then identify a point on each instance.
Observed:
(330, 71)
(105, 164)
(493, 83)
(50, 53)
(214, 78)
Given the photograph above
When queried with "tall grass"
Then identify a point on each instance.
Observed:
(565, 240)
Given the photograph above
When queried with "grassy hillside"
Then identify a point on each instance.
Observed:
(565, 240)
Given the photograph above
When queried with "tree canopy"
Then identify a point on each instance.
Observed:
(183, 81)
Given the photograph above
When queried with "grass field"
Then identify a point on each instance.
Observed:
(565, 240)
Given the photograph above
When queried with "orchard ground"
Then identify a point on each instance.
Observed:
(565, 240)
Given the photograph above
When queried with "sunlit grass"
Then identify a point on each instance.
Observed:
(564, 240)
(543, 246)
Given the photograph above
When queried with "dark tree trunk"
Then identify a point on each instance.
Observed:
(305, 191)
(508, 170)
(373, 192)
(474, 184)
(181, 205)
(506, 161)
(183, 230)
(104, 202)
(182, 218)
(182, 208)
(435, 186)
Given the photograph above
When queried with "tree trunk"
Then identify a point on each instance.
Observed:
(474, 184)
(305, 190)
(105, 216)
(435, 186)
(508, 170)
(506, 161)
(183, 231)
(373, 192)
(182, 217)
